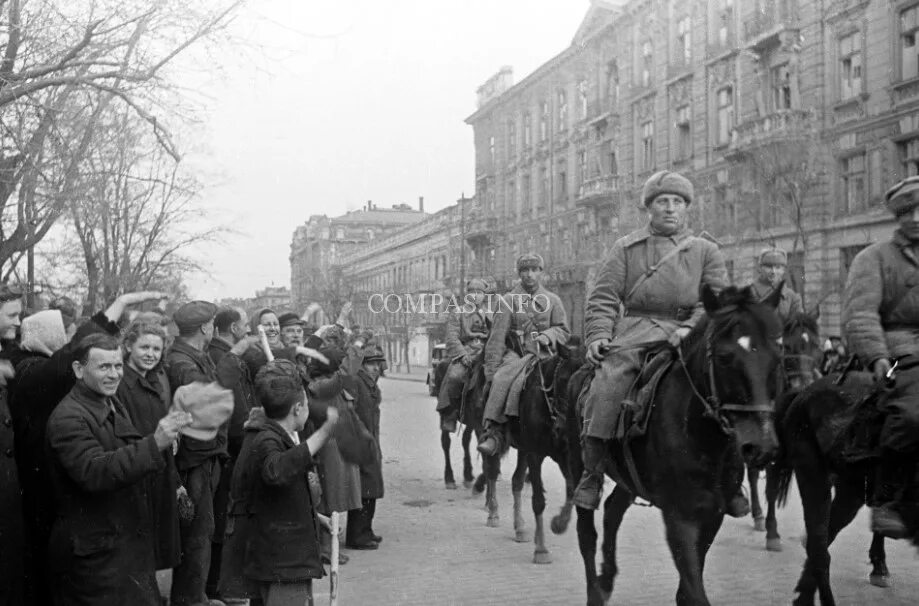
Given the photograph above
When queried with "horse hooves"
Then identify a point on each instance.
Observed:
(558, 525)
(759, 524)
(493, 522)
(879, 580)
(522, 536)
(774, 544)
(450, 485)
(542, 557)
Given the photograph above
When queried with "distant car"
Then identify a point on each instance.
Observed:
(438, 368)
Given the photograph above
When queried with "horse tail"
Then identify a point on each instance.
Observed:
(781, 472)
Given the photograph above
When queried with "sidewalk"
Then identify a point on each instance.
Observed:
(419, 374)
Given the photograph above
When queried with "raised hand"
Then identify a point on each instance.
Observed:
(167, 430)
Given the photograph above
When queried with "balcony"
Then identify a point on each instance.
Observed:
(599, 191)
(601, 110)
(765, 27)
(777, 127)
(481, 231)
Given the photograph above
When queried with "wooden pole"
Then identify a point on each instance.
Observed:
(333, 564)
(265, 346)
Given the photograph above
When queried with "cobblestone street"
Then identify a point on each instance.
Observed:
(437, 549)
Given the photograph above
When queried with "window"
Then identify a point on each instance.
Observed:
(612, 82)
(850, 66)
(562, 186)
(875, 173)
(544, 121)
(582, 99)
(724, 19)
(491, 150)
(527, 130)
(726, 209)
(781, 88)
(647, 145)
(511, 200)
(846, 256)
(909, 54)
(562, 110)
(612, 162)
(511, 138)
(543, 187)
(527, 191)
(852, 184)
(725, 111)
(683, 134)
(795, 273)
(683, 42)
(647, 60)
(582, 166)
(909, 157)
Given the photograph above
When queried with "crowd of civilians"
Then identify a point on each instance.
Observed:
(132, 444)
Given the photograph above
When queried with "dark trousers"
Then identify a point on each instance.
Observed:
(189, 578)
(221, 504)
(360, 523)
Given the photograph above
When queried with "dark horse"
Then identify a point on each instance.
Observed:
(468, 426)
(833, 487)
(715, 399)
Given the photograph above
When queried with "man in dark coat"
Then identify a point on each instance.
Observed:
(273, 523)
(199, 461)
(12, 536)
(880, 316)
(773, 263)
(41, 382)
(367, 404)
(101, 546)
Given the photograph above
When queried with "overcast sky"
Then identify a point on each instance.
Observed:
(336, 102)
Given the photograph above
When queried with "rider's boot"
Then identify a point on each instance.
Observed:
(448, 420)
(737, 505)
(890, 482)
(492, 439)
(589, 490)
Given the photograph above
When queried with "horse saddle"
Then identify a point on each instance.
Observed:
(636, 409)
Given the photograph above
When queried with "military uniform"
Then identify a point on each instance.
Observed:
(467, 333)
(790, 304)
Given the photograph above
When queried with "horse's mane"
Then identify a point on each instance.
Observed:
(734, 298)
(804, 320)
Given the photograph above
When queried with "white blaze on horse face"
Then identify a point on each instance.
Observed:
(780, 341)
(744, 342)
(806, 337)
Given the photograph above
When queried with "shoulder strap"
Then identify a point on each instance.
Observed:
(653, 269)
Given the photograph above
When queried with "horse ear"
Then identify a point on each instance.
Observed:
(775, 297)
(709, 300)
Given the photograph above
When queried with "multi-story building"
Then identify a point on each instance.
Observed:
(791, 117)
(316, 246)
(273, 297)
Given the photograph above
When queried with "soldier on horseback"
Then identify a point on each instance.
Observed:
(533, 319)
(467, 331)
(880, 316)
(772, 266)
(646, 294)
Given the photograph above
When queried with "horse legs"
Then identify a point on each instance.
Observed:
(467, 460)
(587, 545)
(517, 489)
(773, 540)
(878, 558)
(449, 482)
(491, 467)
(614, 509)
(814, 486)
(756, 509)
(534, 464)
(559, 523)
(686, 538)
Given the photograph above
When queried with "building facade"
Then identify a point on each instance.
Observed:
(272, 297)
(792, 117)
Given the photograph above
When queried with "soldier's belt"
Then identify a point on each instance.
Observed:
(680, 314)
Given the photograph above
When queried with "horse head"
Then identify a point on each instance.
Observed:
(740, 353)
(801, 350)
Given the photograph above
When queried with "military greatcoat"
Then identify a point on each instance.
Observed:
(466, 334)
(880, 317)
(665, 301)
(790, 304)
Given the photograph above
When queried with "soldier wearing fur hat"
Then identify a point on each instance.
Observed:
(647, 290)
(535, 319)
(467, 331)
(772, 264)
(880, 317)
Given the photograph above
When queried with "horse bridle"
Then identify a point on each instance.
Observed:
(714, 407)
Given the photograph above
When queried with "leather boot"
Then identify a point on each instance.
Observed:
(590, 488)
(492, 439)
(890, 483)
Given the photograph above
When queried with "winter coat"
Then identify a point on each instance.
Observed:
(367, 400)
(790, 304)
(669, 299)
(185, 365)
(273, 517)
(12, 532)
(542, 313)
(146, 400)
(880, 304)
(243, 394)
(463, 328)
(101, 546)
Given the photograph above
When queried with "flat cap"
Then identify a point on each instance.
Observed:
(290, 319)
(903, 196)
(194, 314)
(476, 284)
(666, 182)
(374, 354)
(529, 260)
(773, 256)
